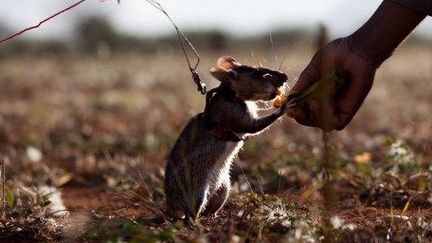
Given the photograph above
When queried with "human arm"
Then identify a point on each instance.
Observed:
(360, 54)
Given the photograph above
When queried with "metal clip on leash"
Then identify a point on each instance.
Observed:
(201, 86)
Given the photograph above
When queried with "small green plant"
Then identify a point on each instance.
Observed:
(27, 216)
(9, 197)
(401, 155)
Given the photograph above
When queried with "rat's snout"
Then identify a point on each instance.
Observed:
(280, 78)
(284, 77)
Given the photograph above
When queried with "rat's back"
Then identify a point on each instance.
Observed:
(197, 164)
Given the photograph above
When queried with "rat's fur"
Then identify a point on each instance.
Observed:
(197, 172)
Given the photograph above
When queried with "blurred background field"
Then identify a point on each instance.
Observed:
(86, 117)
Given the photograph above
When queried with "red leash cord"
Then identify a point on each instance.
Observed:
(41, 22)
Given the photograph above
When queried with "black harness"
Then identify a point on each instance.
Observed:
(209, 122)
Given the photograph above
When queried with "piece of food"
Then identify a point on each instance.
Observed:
(282, 96)
(280, 100)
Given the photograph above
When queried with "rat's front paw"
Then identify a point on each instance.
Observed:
(281, 110)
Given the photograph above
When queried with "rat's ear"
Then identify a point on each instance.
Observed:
(227, 63)
(223, 75)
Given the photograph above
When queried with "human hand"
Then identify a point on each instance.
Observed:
(338, 54)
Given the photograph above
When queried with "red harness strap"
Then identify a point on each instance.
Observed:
(211, 125)
(225, 135)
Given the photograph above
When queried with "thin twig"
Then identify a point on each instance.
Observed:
(247, 181)
(3, 187)
(56, 212)
(42, 22)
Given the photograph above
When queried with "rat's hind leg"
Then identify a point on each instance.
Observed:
(195, 204)
(218, 199)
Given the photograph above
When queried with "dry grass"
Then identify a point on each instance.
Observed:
(87, 125)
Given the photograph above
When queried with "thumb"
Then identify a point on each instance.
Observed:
(309, 75)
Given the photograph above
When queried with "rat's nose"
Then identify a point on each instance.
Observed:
(284, 77)
(281, 78)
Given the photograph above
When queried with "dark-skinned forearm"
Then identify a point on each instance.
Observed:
(384, 31)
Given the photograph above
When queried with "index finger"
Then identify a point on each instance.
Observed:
(309, 75)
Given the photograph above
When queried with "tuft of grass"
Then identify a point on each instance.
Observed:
(27, 217)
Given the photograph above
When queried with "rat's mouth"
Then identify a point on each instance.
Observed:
(279, 85)
(272, 96)
(263, 96)
(277, 92)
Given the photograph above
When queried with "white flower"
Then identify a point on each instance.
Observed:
(350, 227)
(336, 222)
(33, 154)
(57, 207)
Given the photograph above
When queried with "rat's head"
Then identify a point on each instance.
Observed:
(249, 83)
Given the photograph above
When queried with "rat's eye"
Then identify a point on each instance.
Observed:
(267, 76)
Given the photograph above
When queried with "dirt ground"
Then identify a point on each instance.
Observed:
(98, 129)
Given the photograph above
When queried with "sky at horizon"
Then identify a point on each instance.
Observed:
(241, 17)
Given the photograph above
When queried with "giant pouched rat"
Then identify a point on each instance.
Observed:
(197, 172)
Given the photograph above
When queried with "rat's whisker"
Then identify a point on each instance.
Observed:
(282, 63)
(253, 56)
(274, 50)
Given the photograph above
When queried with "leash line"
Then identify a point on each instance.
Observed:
(41, 22)
(182, 39)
